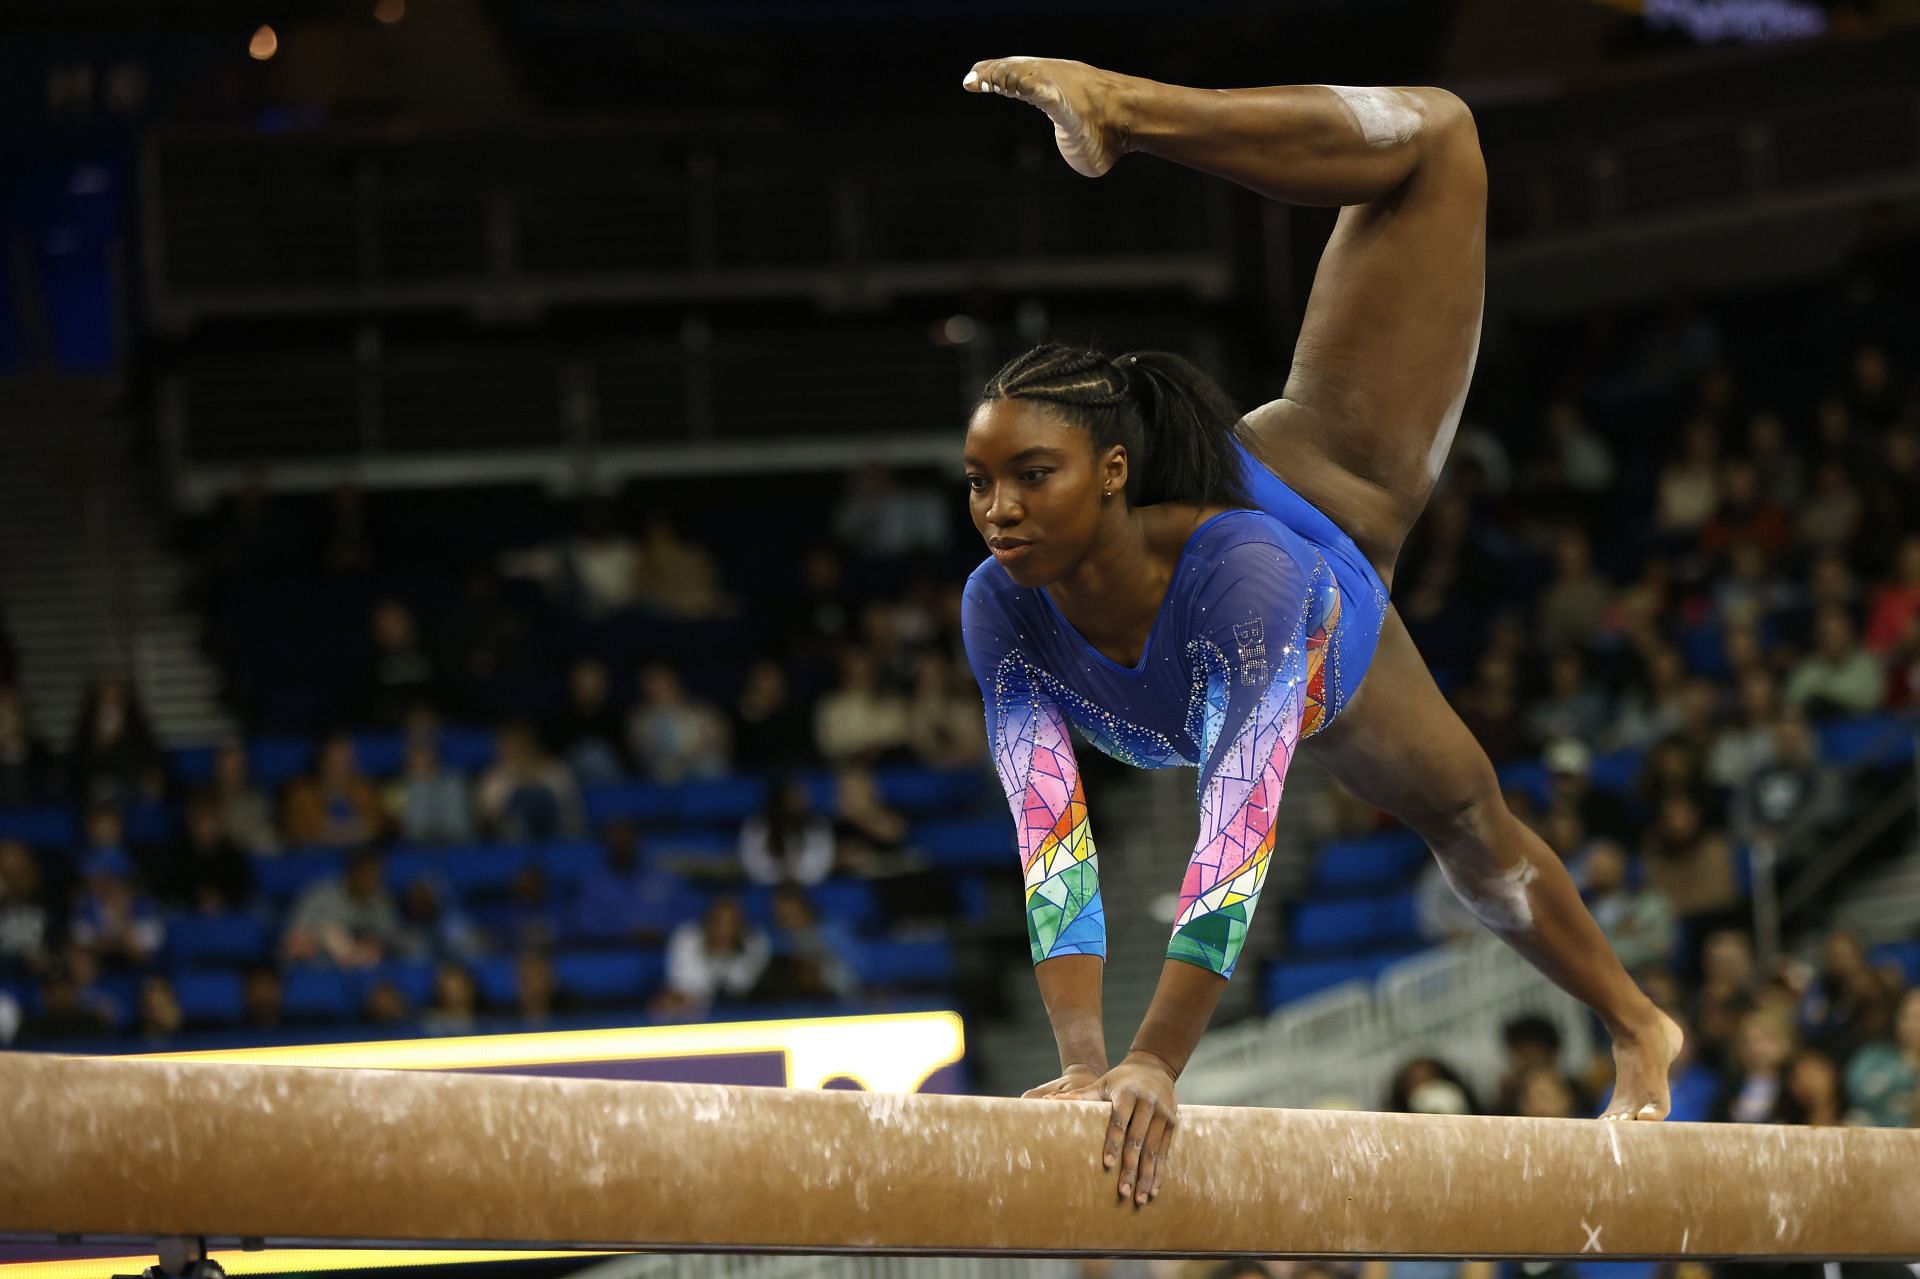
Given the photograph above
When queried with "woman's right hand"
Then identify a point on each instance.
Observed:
(1074, 1077)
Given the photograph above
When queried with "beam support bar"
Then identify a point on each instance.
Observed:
(143, 1149)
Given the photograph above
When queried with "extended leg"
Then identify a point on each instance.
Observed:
(1399, 746)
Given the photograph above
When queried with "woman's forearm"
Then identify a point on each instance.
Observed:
(1303, 144)
(1183, 1004)
(1070, 988)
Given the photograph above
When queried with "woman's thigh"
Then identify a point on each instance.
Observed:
(1399, 746)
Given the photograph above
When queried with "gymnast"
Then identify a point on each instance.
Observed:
(1189, 586)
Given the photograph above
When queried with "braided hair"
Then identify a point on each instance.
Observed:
(1175, 422)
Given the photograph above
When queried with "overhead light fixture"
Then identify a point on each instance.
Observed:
(264, 45)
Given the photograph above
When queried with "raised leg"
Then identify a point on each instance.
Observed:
(1392, 328)
(1399, 746)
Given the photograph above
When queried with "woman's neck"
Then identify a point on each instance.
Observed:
(1113, 596)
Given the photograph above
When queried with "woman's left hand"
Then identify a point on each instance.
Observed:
(1145, 1114)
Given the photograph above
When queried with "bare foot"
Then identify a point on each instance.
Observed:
(1076, 98)
(1640, 1063)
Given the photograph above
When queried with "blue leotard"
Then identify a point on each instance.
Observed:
(1266, 630)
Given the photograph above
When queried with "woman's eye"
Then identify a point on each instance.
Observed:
(1033, 476)
(976, 482)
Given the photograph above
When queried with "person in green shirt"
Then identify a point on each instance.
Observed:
(1883, 1079)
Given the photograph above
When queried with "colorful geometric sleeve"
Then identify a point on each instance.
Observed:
(1259, 659)
(1033, 754)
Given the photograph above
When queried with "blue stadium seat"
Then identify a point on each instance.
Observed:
(928, 790)
(310, 993)
(414, 978)
(921, 962)
(1616, 771)
(981, 841)
(850, 903)
(485, 870)
(281, 878)
(1296, 979)
(1335, 927)
(711, 850)
(192, 766)
(408, 863)
(380, 755)
(1529, 777)
(569, 861)
(196, 941)
(466, 750)
(629, 801)
(210, 998)
(1389, 859)
(150, 822)
(622, 978)
(498, 977)
(1876, 741)
(1904, 953)
(40, 827)
(728, 800)
(275, 761)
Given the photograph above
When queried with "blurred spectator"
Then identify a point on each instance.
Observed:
(625, 899)
(1572, 604)
(25, 922)
(1572, 706)
(1848, 1004)
(771, 730)
(429, 801)
(401, 673)
(1893, 494)
(1569, 767)
(1490, 706)
(527, 795)
(1689, 485)
(114, 754)
(865, 829)
(245, 814)
(1674, 768)
(204, 871)
(11, 1016)
(456, 1003)
(262, 999)
(538, 998)
(1439, 914)
(1754, 1088)
(1533, 1044)
(1893, 615)
(1794, 796)
(814, 620)
(1838, 677)
(1872, 396)
(110, 918)
(882, 518)
(810, 960)
(529, 919)
(484, 642)
(1638, 922)
(1727, 990)
(674, 736)
(1883, 1079)
(1748, 593)
(349, 919)
(1651, 707)
(434, 926)
(1744, 518)
(333, 805)
(387, 1005)
(1688, 862)
(1426, 1086)
(604, 565)
(588, 731)
(714, 959)
(1834, 511)
(1547, 1093)
(1812, 1092)
(1578, 454)
(70, 1009)
(859, 720)
(1779, 470)
(28, 774)
(160, 1020)
(1743, 747)
(675, 576)
(946, 726)
(789, 842)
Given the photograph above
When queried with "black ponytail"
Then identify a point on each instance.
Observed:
(1176, 423)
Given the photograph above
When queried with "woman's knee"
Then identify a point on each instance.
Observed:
(1464, 821)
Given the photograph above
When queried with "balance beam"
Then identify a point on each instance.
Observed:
(100, 1148)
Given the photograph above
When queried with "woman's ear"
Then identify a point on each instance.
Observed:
(1113, 470)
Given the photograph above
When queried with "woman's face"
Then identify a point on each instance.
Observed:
(1906, 1022)
(1035, 488)
(1763, 1047)
(1812, 1080)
